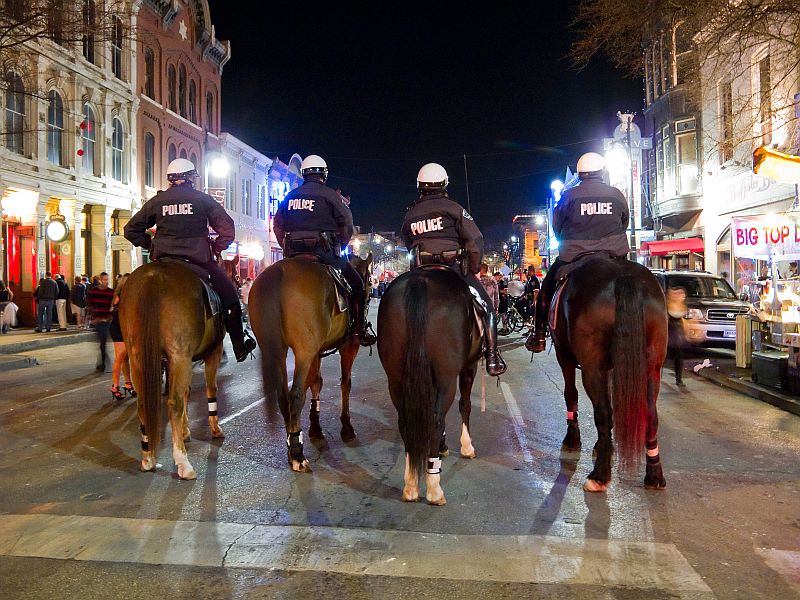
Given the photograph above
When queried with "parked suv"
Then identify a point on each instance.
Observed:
(712, 306)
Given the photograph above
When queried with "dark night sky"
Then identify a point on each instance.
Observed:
(378, 94)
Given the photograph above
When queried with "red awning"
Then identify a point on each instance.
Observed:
(663, 247)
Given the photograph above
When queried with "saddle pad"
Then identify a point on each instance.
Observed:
(211, 299)
(553, 316)
(343, 289)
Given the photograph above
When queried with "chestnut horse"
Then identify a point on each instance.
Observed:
(428, 342)
(611, 320)
(163, 314)
(293, 304)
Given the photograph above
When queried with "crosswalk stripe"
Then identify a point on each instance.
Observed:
(499, 558)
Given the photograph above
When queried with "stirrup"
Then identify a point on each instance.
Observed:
(495, 365)
(248, 346)
(535, 342)
(367, 336)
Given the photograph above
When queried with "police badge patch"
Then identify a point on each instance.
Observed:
(466, 214)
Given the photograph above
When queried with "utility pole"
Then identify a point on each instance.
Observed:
(629, 120)
(466, 180)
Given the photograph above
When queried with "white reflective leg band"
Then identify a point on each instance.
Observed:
(653, 452)
(434, 466)
(299, 438)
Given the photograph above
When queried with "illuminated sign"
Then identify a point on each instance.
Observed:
(765, 237)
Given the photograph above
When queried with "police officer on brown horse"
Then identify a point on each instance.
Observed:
(314, 219)
(440, 231)
(182, 216)
(590, 217)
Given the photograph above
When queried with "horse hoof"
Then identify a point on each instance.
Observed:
(187, 439)
(410, 494)
(316, 434)
(301, 467)
(655, 484)
(594, 486)
(437, 500)
(470, 453)
(348, 433)
(147, 466)
(445, 452)
(187, 473)
(217, 433)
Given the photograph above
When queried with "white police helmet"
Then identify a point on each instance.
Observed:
(432, 176)
(181, 168)
(591, 162)
(314, 164)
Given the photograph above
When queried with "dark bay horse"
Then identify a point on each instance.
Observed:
(611, 321)
(293, 304)
(163, 313)
(428, 343)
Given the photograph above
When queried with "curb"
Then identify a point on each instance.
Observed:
(9, 362)
(46, 341)
(773, 397)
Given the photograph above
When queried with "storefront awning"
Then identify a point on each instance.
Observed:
(664, 247)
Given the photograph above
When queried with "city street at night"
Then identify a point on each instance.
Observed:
(78, 517)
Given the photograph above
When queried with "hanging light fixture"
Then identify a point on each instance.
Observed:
(57, 228)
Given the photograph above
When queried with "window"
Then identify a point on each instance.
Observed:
(193, 101)
(116, 47)
(89, 24)
(210, 111)
(149, 73)
(15, 113)
(173, 99)
(182, 90)
(667, 157)
(16, 9)
(172, 153)
(55, 127)
(688, 171)
(149, 159)
(764, 101)
(55, 21)
(262, 202)
(117, 151)
(247, 201)
(88, 135)
(726, 121)
(183, 153)
(230, 199)
(193, 158)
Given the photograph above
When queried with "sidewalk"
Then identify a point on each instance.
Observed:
(17, 341)
(724, 372)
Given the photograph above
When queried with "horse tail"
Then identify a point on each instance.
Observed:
(266, 321)
(629, 379)
(149, 333)
(417, 388)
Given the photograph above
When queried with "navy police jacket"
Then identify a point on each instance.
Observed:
(589, 217)
(437, 224)
(182, 216)
(311, 209)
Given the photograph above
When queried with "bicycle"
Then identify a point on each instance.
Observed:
(512, 321)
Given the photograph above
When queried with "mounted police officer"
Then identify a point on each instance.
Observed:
(590, 217)
(182, 216)
(439, 230)
(313, 218)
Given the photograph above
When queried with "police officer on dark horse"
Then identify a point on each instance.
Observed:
(590, 217)
(439, 230)
(313, 219)
(182, 216)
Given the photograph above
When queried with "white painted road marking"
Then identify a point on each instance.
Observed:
(241, 412)
(499, 558)
(518, 422)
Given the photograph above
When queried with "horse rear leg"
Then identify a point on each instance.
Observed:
(445, 396)
(212, 365)
(315, 378)
(465, 380)
(654, 475)
(348, 354)
(572, 440)
(179, 380)
(595, 381)
(293, 416)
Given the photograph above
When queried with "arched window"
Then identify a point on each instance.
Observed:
(210, 111)
(182, 90)
(183, 153)
(172, 153)
(88, 136)
(149, 159)
(55, 21)
(149, 73)
(15, 113)
(173, 99)
(55, 127)
(89, 23)
(117, 151)
(193, 158)
(116, 47)
(193, 101)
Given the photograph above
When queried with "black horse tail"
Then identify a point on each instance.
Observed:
(418, 396)
(629, 356)
(265, 319)
(149, 327)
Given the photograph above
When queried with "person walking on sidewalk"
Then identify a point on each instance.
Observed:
(6, 296)
(46, 294)
(77, 301)
(676, 309)
(98, 301)
(61, 302)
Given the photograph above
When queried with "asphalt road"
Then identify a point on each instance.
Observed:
(79, 520)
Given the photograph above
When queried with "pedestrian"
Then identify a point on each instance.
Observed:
(121, 362)
(490, 285)
(46, 294)
(77, 301)
(502, 291)
(244, 293)
(98, 304)
(61, 302)
(6, 296)
(676, 309)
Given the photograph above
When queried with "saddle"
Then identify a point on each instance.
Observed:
(479, 308)
(343, 289)
(211, 301)
(563, 275)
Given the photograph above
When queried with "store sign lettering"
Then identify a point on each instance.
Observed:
(755, 238)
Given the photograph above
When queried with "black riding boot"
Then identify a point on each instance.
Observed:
(366, 337)
(495, 365)
(536, 341)
(233, 324)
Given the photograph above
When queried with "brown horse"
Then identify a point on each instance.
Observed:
(611, 321)
(163, 313)
(293, 305)
(428, 342)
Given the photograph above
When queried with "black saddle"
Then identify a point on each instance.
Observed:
(211, 301)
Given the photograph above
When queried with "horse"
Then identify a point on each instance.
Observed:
(611, 321)
(293, 304)
(164, 314)
(429, 341)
